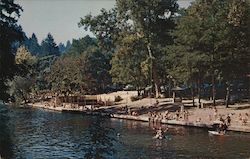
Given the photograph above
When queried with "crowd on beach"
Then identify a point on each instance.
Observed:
(182, 114)
(224, 118)
(177, 115)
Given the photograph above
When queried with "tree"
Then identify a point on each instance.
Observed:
(236, 55)
(68, 45)
(43, 67)
(86, 73)
(20, 86)
(19, 89)
(105, 28)
(207, 29)
(49, 47)
(81, 45)
(61, 48)
(25, 61)
(32, 45)
(152, 21)
(10, 32)
(129, 63)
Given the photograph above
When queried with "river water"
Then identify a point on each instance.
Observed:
(40, 134)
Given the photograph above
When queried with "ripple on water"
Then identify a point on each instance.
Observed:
(32, 133)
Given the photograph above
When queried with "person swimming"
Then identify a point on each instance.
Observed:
(159, 133)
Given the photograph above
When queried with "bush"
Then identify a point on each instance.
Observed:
(118, 98)
(134, 98)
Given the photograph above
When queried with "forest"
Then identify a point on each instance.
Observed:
(155, 44)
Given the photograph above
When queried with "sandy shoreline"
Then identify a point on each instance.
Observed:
(140, 111)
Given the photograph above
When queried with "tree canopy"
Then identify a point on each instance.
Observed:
(49, 47)
(10, 32)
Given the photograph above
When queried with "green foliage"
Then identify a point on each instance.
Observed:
(19, 88)
(43, 67)
(127, 61)
(86, 73)
(135, 31)
(152, 19)
(62, 48)
(32, 45)
(10, 33)
(49, 47)
(23, 57)
(217, 29)
(25, 62)
(81, 45)
(105, 28)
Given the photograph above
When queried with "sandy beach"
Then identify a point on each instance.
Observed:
(164, 111)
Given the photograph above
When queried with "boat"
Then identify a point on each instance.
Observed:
(216, 133)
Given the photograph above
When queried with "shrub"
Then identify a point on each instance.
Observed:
(118, 98)
(134, 98)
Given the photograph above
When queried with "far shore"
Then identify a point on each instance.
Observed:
(164, 111)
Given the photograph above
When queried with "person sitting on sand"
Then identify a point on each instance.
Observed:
(245, 119)
(156, 103)
(134, 113)
(240, 118)
(198, 120)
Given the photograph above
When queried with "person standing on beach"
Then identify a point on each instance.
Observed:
(215, 113)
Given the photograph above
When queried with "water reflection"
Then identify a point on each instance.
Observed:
(6, 144)
(101, 139)
(32, 133)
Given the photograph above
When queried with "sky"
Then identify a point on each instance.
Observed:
(61, 17)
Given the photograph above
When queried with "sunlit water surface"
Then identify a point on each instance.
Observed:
(36, 133)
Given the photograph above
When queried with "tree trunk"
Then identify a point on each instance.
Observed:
(138, 92)
(154, 76)
(169, 89)
(213, 89)
(192, 91)
(25, 100)
(227, 95)
(156, 84)
(199, 93)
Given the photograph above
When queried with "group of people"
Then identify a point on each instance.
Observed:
(223, 124)
(181, 115)
(155, 117)
(129, 111)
